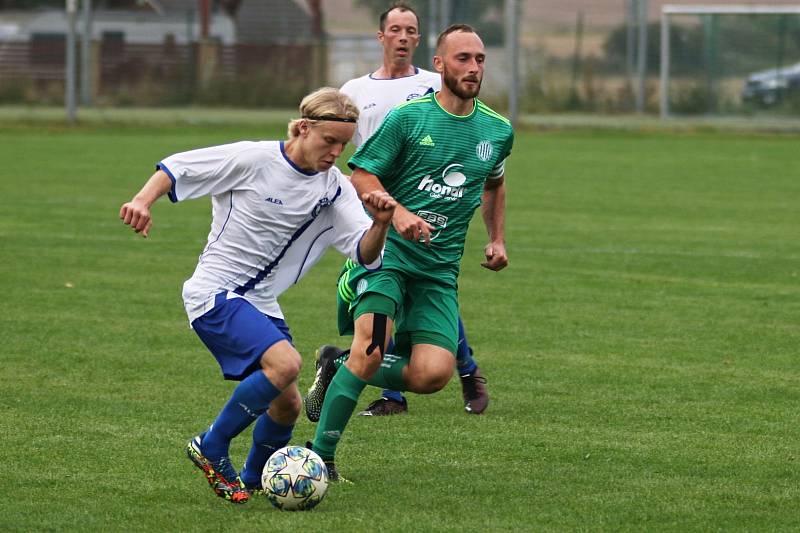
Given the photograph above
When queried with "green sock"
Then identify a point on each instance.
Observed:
(340, 402)
(390, 373)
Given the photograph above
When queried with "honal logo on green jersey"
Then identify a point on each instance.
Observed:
(453, 180)
(427, 141)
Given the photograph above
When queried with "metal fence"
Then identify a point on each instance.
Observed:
(158, 74)
(574, 56)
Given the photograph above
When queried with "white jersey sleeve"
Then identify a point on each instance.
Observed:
(210, 171)
(350, 223)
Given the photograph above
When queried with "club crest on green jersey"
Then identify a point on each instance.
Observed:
(453, 183)
(362, 286)
(484, 150)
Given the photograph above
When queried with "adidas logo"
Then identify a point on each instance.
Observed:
(427, 141)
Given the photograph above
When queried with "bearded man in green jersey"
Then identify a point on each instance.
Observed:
(440, 156)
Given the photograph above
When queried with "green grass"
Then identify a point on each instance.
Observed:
(641, 350)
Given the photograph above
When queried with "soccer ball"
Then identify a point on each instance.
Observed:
(295, 479)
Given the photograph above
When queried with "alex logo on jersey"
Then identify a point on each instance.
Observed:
(452, 189)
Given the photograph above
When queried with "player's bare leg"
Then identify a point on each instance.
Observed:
(429, 370)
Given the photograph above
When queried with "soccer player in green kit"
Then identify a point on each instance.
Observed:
(440, 156)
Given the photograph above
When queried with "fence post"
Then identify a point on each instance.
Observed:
(641, 96)
(69, 89)
(86, 54)
(512, 47)
(207, 60)
(319, 47)
(664, 90)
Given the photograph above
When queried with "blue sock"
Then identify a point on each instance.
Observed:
(250, 398)
(464, 361)
(391, 394)
(268, 436)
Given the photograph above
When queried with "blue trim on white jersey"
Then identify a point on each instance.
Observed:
(310, 247)
(361, 259)
(300, 170)
(416, 71)
(172, 196)
(242, 289)
(230, 210)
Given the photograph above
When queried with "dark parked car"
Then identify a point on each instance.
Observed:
(769, 86)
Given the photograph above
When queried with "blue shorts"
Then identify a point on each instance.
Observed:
(238, 334)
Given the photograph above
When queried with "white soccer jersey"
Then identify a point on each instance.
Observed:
(262, 204)
(374, 99)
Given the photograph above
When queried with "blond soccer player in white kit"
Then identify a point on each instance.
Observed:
(265, 196)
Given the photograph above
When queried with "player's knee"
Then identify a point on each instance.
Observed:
(435, 381)
(361, 362)
(430, 375)
(282, 364)
(372, 334)
(292, 366)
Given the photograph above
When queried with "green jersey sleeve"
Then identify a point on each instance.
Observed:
(380, 153)
(507, 146)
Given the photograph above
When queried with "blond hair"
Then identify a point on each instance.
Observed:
(324, 102)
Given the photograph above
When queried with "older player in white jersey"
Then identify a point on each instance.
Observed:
(265, 196)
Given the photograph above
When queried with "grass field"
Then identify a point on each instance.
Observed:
(641, 350)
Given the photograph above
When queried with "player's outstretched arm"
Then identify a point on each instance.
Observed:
(381, 207)
(407, 224)
(136, 213)
(493, 210)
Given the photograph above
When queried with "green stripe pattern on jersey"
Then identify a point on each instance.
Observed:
(345, 291)
(435, 164)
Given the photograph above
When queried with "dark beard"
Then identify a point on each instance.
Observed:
(452, 84)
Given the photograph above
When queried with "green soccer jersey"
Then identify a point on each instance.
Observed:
(435, 164)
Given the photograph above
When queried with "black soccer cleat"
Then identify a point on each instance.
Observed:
(333, 473)
(326, 368)
(473, 390)
(385, 407)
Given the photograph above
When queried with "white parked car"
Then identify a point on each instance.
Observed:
(769, 86)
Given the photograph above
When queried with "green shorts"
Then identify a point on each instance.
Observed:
(424, 310)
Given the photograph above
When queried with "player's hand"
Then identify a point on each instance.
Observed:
(136, 214)
(410, 226)
(496, 258)
(380, 205)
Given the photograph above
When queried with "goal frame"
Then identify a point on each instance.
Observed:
(684, 9)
